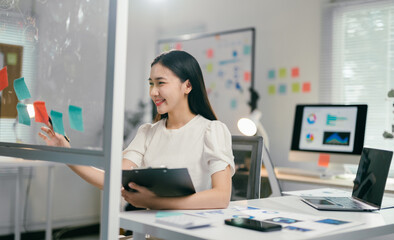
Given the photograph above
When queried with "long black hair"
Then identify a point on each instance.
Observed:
(186, 67)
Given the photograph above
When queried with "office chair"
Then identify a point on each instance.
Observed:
(253, 147)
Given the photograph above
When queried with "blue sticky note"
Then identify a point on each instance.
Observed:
(282, 89)
(167, 214)
(247, 49)
(75, 116)
(21, 90)
(57, 122)
(23, 115)
(271, 74)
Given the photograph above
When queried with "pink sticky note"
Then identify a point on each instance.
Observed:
(3, 78)
(295, 72)
(324, 160)
(247, 76)
(40, 112)
(178, 46)
(210, 53)
(306, 87)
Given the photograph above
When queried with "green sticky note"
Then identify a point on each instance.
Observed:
(75, 117)
(282, 73)
(295, 87)
(12, 58)
(57, 122)
(271, 89)
(23, 115)
(167, 214)
(21, 90)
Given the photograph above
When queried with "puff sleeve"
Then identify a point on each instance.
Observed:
(136, 149)
(218, 148)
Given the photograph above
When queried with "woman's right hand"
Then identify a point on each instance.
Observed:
(52, 138)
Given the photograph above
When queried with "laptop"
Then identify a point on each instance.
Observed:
(368, 188)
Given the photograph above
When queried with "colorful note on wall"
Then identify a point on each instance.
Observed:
(75, 117)
(295, 87)
(57, 122)
(295, 72)
(282, 73)
(21, 90)
(41, 112)
(271, 74)
(306, 87)
(23, 115)
(3, 78)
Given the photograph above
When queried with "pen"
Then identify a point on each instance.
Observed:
(65, 137)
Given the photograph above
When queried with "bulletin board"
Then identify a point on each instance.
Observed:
(227, 63)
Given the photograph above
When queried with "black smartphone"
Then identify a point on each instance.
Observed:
(253, 224)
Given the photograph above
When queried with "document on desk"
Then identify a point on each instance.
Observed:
(297, 223)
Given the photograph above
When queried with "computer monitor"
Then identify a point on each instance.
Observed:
(337, 130)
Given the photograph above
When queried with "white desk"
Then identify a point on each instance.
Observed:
(375, 223)
(7, 162)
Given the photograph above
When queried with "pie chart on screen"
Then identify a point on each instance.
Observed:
(311, 118)
(309, 137)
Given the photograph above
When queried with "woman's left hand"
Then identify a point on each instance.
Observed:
(143, 198)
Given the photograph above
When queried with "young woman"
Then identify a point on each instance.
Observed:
(186, 134)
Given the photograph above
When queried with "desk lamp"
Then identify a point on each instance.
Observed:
(251, 125)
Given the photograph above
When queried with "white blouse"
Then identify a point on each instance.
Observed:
(202, 146)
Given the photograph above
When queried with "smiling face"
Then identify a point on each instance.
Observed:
(167, 91)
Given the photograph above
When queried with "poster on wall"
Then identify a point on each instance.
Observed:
(227, 62)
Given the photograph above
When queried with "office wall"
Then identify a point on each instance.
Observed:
(287, 36)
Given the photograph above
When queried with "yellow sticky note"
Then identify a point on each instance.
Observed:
(209, 67)
(271, 89)
(295, 87)
(282, 73)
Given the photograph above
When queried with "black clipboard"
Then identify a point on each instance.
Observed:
(163, 182)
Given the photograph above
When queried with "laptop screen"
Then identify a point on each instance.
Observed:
(372, 175)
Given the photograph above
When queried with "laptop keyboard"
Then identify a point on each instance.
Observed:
(346, 202)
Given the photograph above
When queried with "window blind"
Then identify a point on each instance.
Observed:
(357, 62)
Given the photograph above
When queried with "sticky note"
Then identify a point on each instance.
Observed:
(21, 90)
(247, 76)
(324, 160)
(23, 115)
(295, 87)
(166, 47)
(57, 122)
(75, 117)
(282, 73)
(209, 67)
(178, 46)
(235, 53)
(295, 72)
(233, 103)
(282, 89)
(210, 53)
(168, 214)
(306, 87)
(3, 78)
(12, 59)
(247, 49)
(271, 74)
(271, 89)
(40, 110)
